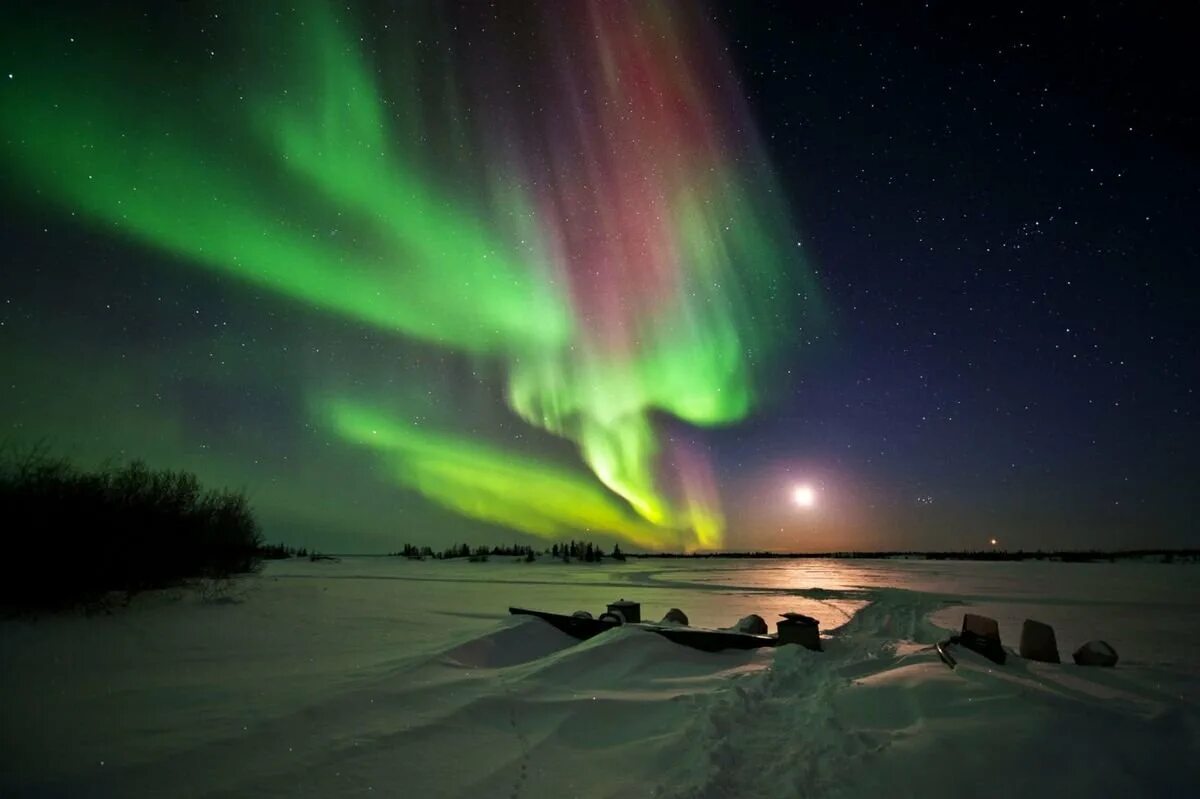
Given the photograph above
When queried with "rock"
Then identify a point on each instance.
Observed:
(628, 611)
(581, 614)
(981, 634)
(1038, 642)
(800, 618)
(1096, 653)
(752, 624)
(796, 628)
(675, 616)
(981, 626)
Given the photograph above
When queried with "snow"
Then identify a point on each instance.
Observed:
(381, 676)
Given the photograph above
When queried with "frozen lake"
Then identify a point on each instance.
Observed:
(375, 676)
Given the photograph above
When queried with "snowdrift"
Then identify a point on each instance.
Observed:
(408, 679)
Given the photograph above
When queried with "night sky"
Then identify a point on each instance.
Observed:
(435, 273)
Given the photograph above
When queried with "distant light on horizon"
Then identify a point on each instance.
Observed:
(994, 542)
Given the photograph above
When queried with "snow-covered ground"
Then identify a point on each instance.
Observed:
(385, 677)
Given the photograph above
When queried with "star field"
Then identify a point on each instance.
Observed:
(999, 204)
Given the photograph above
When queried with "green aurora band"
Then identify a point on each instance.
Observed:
(492, 484)
(588, 208)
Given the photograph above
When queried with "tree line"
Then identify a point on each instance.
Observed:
(81, 535)
(584, 551)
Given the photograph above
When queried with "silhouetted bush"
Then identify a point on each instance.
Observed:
(74, 536)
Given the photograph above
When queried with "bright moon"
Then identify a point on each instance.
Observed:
(805, 496)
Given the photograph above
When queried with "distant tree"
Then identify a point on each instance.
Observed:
(617, 554)
(457, 551)
(275, 552)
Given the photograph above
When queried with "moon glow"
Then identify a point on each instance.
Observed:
(804, 496)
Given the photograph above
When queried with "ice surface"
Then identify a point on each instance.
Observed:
(386, 677)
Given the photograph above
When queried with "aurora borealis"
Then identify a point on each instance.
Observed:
(439, 272)
(588, 211)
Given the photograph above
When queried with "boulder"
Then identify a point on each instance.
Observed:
(981, 634)
(630, 612)
(581, 614)
(980, 626)
(675, 616)
(1038, 642)
(752, 624)
(1096, 653)
(796, 628)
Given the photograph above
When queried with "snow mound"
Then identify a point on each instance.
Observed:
(521, 641)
